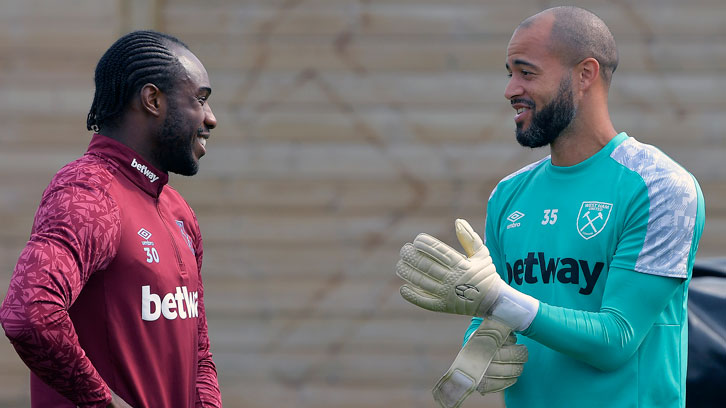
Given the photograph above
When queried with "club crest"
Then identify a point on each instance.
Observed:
(186, 237)
(593, 217)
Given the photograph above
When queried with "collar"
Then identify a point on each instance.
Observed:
(581, 166)
(130, 163)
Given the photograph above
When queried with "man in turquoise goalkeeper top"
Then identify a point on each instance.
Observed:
(593, 245)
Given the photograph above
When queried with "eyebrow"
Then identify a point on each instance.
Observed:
(520, 62)
(206, 89)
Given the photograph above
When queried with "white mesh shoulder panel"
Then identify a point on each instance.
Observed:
(673, 205)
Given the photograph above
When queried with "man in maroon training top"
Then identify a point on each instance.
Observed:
(106, 303)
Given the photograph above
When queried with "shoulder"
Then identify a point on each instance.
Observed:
(660, 175)
(78, 203)
(516, 177)
(670, 215)
(90, 171)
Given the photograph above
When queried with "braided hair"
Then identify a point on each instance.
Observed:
(136, 59)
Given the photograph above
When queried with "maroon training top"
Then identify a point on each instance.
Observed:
(108, 291)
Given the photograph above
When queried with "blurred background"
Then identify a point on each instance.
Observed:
(346, 127)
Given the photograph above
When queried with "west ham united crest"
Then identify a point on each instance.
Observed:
(186, 236)
(592, 218)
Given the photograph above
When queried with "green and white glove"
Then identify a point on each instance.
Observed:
(441, 279)
(490, 361)
(506, 367)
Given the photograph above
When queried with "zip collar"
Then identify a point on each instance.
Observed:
(130, 163)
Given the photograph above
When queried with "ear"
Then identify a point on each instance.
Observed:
(588, 73)
(151, 99)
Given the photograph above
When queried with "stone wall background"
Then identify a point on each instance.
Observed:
(345, 128)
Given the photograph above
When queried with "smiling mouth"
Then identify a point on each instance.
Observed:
(522, 108)
(203, 137)
(522, 112)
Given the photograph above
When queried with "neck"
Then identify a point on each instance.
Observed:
(586, 135)
(135, 138)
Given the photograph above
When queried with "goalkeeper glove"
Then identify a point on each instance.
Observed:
(489, 362)
(441, 279)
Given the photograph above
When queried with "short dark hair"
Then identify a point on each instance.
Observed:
(136, 59)
(578, 34)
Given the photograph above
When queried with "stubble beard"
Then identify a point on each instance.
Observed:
(548, 123)
(175, 140)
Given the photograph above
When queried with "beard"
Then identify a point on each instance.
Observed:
(548, 123)
(175, 141)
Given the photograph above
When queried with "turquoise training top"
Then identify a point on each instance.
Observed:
(607, 246)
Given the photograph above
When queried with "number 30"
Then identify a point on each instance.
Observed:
(151, 255)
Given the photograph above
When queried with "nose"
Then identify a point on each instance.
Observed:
(209, 119)
(513, 89)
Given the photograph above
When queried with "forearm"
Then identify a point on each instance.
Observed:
(604, 339)
(35, 319)
(609, 337)
(45, 339)
(208, 393)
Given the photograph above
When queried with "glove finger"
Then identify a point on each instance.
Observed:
(418, 279)
(420, 299)
(516, 354)
(504, 370)
(511, 340)
(469, 240)
(489, 385)
(424, 263)
(438, 250)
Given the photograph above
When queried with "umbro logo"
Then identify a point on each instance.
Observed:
(513, 218)
(143, 233)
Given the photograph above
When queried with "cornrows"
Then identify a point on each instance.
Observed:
(136, 59)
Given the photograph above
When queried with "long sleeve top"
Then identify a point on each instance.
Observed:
(107, 294)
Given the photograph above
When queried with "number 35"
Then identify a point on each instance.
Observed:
(550, 216)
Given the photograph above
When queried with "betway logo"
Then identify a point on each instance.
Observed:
(563, 270)
(144, 170)
(171, 306)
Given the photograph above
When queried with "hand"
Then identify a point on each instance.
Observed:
(117, 402)
(443, 280)
(490, 361)
(506, 367)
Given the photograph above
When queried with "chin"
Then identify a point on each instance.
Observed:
(187, 169)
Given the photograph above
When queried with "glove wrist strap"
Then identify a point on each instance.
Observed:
(514, 308)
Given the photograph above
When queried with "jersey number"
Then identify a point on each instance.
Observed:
(151, 255)
(550, 216)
